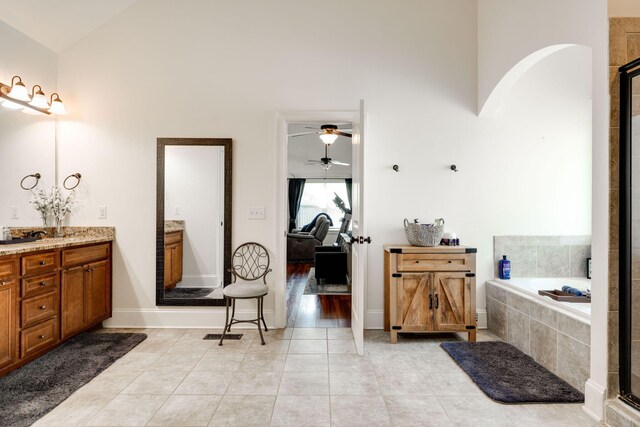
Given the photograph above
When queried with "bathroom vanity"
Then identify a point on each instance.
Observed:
(51, 290)
(173, 253)
(429, 289)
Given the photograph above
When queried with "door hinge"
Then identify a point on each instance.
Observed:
(470, 274)
(396, 328)
(396, 275)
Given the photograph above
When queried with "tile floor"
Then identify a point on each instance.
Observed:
(302, 377)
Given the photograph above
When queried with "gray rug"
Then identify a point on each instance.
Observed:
(313, 288)
(30, 392)
(187, 292)
(507, 375)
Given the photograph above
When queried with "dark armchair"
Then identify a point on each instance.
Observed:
(301, 246)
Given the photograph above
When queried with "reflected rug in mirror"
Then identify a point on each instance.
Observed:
(188, 292)
(33, 390)
(313, 288)
(507, 375)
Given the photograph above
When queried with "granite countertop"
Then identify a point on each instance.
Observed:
(173, 225)
(74, 236)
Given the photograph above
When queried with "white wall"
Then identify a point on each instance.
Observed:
(194, 193)
(224, 69)
(27, 142)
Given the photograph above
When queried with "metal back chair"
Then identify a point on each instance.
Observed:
(249, 262)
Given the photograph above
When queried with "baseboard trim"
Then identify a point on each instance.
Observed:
(594, 399)
(194, 317)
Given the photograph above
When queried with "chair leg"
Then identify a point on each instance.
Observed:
(233, 314)
(226, 322)
(262, 314)
(258, 322)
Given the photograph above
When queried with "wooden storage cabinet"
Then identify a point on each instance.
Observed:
(49, 296)
(429, 290)
(172, 259)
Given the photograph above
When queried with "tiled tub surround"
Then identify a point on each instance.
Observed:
(72, 236)
(544, 256)
(553, 336)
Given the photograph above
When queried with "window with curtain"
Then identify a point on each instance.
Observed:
(318, 197)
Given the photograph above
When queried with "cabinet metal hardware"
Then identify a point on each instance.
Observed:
(43, 283)
(2, 283)
(430, 301)
(470, 275)
(43, 262)
(396, 328)
(470, 327)
(41, 337)
(396, 275)
(449, 261)
(42, 307)
(437, 301)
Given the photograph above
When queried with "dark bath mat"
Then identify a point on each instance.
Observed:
(187, 292)
(30, 392)
(507, 375)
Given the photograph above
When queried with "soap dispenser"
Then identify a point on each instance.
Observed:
(504, 268)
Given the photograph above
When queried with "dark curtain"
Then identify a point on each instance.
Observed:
(296, 187)
(349, 182)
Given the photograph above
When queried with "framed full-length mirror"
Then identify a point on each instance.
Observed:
(193, 228)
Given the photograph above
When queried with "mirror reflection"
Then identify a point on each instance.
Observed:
(27, 147)
(195, 230)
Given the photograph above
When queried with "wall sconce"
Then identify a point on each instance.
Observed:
(16, 97)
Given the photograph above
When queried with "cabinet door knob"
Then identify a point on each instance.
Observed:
(43, 283)
(43, 262)
(42, 307)
(2, 283)
(41, 337)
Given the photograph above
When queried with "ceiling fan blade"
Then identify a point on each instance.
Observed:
(312, 127)
(314, 162)
(303, 133)
(340, 163)
(337, 132)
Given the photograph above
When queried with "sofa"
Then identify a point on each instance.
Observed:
(301, 246)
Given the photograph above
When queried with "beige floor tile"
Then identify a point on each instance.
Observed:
(76, 410)
(343, 362)
(339, 334)
(342, 346)
(308, 346)
(306, 363)
(185, 411)
(279, 334)
(243, 411)
(416, 411)
(155, 345)
(175, 362)
(353, 383)
(133, 362)
(123, 410)
(254, 383)
(452, 384)
(231, 346)
(359, 410)
(262, 362)
(309, 334)
(538, 415)
(404, 383)
(271, 346)
(304, 383)
(577, 414)
(219, 362)
(109, 382)
(191, 345)
(474, 411)
(308, 411)
(155, 382)
(205, 382)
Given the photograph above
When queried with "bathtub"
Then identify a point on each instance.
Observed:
(529, 287)
(555, 334)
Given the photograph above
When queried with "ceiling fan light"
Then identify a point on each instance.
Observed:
(328, 138)
(18, 90)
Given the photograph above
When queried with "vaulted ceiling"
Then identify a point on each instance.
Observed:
(58, 24)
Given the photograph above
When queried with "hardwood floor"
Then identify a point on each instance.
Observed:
(313, 311)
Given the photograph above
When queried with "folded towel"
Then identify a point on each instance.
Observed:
(570, 290)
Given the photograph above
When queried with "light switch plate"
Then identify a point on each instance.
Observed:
(15, 212)
(256, 212)
(102, 212)
(176, 210)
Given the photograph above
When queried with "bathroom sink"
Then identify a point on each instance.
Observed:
(18, 240)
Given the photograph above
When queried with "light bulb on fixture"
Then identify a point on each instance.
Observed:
(328, 138)
(18, 90)
(38, 99)
(57, 107)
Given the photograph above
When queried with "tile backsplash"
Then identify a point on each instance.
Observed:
(544, 256)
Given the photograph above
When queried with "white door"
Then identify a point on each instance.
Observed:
(359, 247)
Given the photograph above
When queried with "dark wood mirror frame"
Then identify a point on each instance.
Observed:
(162, 143)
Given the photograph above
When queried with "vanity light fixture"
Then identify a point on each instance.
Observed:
(38, 99)
(16, 97)
(18, 90)
(57, 107)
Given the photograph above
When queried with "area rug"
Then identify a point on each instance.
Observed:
(313, 288)
(507, 375)
(30, 392)
(187, 292)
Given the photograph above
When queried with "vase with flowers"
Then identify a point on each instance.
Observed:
(61, 205)
(42, 203)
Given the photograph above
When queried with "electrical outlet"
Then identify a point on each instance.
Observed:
(256, 213)
(15, 212)
(102, 212)
(176, 210)
(476, 317)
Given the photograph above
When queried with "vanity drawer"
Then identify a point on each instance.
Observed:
(85, 254)
(39, 263)
(173, 237)
(433, 262)
(38, 337)
(8, 268)
(38, 308)
(39, 285)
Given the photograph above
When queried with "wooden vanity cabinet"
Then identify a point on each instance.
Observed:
(8, 311)
(173, 245)
(429, 289)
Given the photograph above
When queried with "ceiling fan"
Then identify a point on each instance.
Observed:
(328, 133)
(326, 161)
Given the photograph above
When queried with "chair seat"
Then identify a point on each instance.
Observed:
(245, 290)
